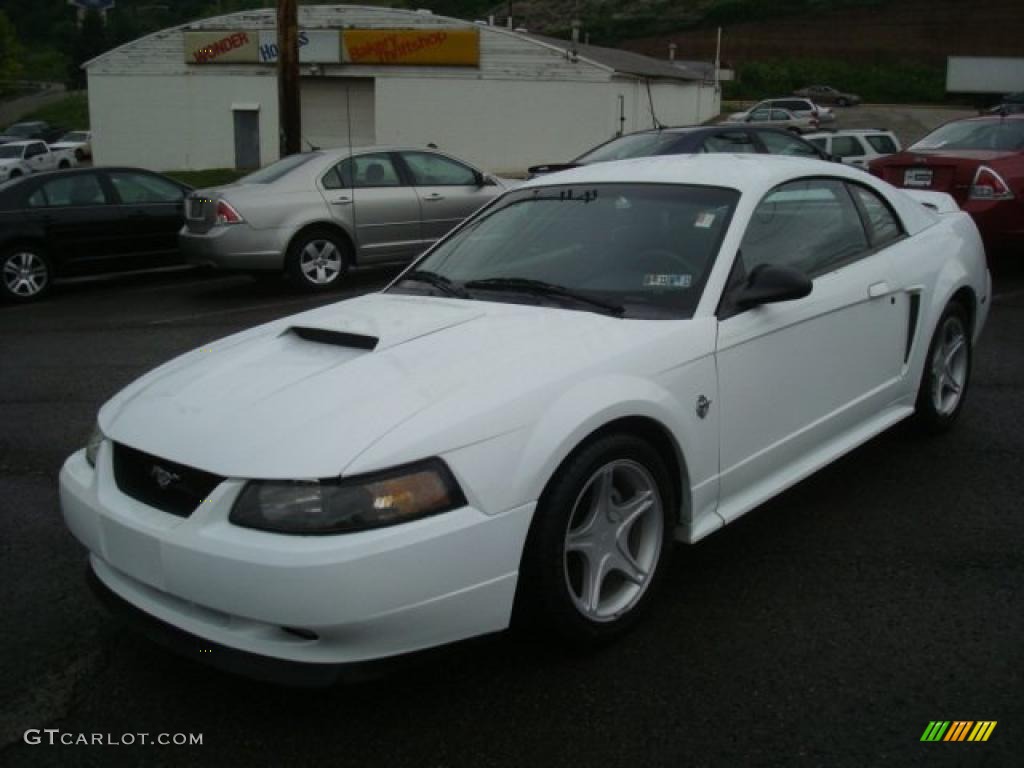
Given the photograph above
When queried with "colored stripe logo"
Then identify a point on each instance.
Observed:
(958, 730)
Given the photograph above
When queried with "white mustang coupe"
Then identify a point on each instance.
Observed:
(596, 364)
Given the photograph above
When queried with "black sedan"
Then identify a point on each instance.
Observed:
(726, 137)
(85, 221)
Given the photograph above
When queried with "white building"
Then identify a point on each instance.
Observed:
(204, 95)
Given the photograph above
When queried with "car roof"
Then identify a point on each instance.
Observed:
(738, 171)
(362, 150)
(753, 175)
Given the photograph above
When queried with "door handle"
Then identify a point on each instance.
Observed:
(878, 289)
(434, 197)
(342, 201)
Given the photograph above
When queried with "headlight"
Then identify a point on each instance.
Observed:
(92, 446)
(348, 504)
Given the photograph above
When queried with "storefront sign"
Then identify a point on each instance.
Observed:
(221, 47)
(316, 46)
(437, 47)
(407, 47)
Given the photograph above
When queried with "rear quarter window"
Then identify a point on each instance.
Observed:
(882, 144)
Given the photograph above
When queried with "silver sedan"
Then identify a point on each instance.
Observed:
(315, 214)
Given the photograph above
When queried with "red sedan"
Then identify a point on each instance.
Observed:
(980, 162)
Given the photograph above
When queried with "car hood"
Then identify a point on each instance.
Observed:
(303, 397)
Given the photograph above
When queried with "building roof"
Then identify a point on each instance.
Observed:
(337, 16)
(623, 62)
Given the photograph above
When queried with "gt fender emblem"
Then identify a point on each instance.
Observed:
(703, 406)
(163, 477)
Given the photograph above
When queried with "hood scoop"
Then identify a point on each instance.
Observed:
(334, 338)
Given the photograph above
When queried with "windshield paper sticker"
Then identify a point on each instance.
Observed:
(704, 220)
(667, 281)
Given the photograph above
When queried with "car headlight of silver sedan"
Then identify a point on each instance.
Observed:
(351, 504)
(92, 445)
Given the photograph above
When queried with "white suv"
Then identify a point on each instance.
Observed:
(856, 146)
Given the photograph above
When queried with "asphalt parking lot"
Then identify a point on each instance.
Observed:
(825, 628)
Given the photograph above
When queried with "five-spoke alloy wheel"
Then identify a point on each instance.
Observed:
(947, 371)
(613, 540)
(598, 541)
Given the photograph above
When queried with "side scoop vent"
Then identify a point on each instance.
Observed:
(335, 338)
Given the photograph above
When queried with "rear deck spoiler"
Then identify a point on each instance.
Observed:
(939, 202)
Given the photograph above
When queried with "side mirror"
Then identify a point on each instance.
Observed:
(768, 284)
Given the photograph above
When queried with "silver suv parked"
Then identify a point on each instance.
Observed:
(314, 215)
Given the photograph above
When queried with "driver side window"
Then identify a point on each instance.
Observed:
(811, 225)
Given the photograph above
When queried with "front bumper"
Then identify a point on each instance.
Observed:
(238, 246)
(352, 598)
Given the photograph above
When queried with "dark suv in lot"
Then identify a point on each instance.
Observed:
(35, 129)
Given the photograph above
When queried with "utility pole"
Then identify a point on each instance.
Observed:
(288, 99)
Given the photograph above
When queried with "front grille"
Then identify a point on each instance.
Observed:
(165, 485)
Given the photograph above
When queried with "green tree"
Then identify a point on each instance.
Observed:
(90, 40)
(10, 51)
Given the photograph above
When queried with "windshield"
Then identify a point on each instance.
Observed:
(75, 136)
(626, 147)
(8, 152)
(275, 171)
(647, 248)
(1000, 135)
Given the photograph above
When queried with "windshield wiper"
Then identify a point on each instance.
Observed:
(440, 282)
(541, 288)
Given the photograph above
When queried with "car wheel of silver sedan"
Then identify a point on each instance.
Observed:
(598, 541)
(317, 260)
(25, 274)
(947, 372)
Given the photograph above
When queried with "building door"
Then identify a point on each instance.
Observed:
(338, 112)
(247, 138)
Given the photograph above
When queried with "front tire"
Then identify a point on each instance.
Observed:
(598, 542)
(25, 273)
(318, 259)
(63, 165)
(947, 372)
(842, 103)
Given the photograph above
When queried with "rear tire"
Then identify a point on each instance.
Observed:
(25, 273)
(842, 103)
(598, 543)
(318, 259)
(947, 372)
